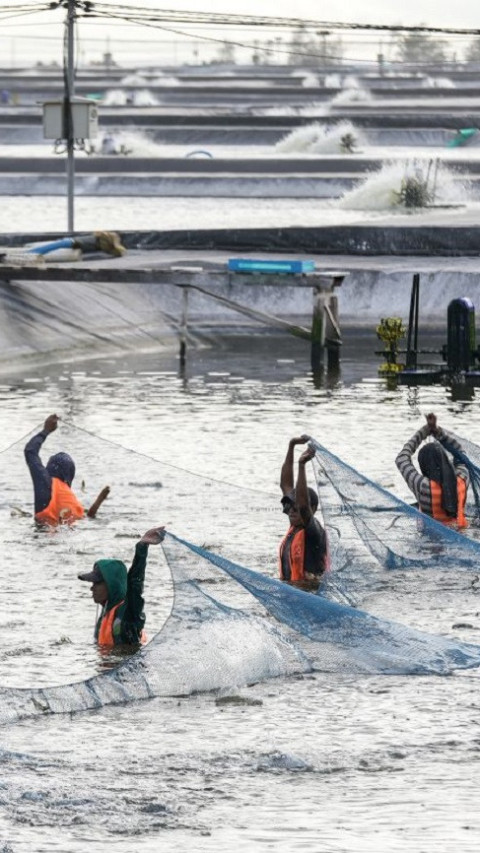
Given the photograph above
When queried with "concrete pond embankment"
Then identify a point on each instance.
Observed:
(109, 306)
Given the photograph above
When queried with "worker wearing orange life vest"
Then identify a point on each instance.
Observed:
(120, 593)
(441, 486)
(303, 550)
(55, 502)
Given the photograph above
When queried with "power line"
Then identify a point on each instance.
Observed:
(11, 13)
(208, 18)
(162, 20)
(90, 8)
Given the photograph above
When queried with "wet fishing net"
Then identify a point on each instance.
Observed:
(470, 457)
(373, 534)
(230, 626)
(213, 624)
(47, 615)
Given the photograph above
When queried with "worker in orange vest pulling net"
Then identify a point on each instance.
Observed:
(55, 502)
(120, 594)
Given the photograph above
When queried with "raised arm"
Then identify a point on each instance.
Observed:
(413, 478)
(446, 437)
(302, 499)
(42, 481)
(134, 617)
(286, 474)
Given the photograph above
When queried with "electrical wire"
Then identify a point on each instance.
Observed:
(151, 18)
(209, 18)
(163, 19)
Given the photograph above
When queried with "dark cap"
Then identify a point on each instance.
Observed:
(94, 576)
(288, 500)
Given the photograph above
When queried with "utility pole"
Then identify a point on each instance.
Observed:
(67, 114)
(71, 118)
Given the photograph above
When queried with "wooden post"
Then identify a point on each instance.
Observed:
(317, 351)
(325, 324)
(183, 327)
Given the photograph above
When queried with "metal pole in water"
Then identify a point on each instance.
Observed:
(183, 329)
(412, 345)
(333, 335)
(435, 176)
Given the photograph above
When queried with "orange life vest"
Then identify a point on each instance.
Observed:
(64, 508)
(296, 556)
(106, 636)
(438, 511)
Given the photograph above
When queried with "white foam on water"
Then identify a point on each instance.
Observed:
(438, 83)
(320, 139)
(116, 98)
(333, 81)
(351, 95)
(310, 80)
(135, 79)
(137, 98)
(382, 190)
(165, 80)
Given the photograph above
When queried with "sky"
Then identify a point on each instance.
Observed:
(37, 37)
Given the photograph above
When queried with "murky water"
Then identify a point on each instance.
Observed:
(308, 763)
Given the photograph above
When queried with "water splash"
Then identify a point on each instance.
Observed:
(115, 98)
(130, 142)
(310, 80)
(352, 92)
(135, 79)
(382, 190)
(333, 81)
(121, 98)
(438, 83)
(165, 80)
(317, 138)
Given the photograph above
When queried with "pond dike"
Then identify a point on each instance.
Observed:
(265, 177)
(171, 287)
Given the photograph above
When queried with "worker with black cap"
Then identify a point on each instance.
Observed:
(55, 502)
(303, 551)
(440, 486)
(120, 594)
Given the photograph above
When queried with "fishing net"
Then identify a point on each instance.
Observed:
(230, 626)
(213, 623)
(47, 620)
(470, 457)
(371, 532)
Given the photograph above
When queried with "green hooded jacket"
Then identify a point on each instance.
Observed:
(125, 587)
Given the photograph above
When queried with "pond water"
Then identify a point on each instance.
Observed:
(308, 762)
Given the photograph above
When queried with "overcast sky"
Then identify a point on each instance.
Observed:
(29, 38)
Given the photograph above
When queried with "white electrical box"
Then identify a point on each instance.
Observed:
(84, 119)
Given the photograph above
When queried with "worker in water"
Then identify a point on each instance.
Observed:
(55, 502)
(441, 485)
(120, 594)
(303, 551)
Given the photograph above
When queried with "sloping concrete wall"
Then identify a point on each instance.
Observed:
(61, 321)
